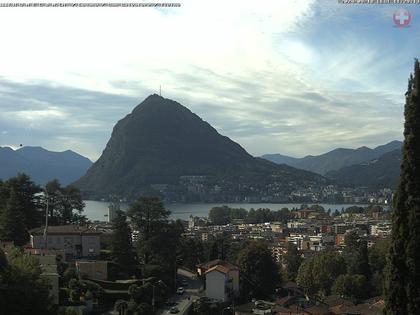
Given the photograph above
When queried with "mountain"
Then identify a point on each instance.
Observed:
(280, 159)
(378, 173)
(42, 165)
(335, 159)
(162, 143)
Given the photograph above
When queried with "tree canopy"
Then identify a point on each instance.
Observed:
(260, 274)
(65, 203)
(403, 278)
(356, 255)
(292, 260)
(319, 272)
(121, 244)
(22, 290)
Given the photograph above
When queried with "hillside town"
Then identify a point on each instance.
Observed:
(75, 260)
(202, 189)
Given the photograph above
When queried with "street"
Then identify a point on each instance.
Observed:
(184, 301)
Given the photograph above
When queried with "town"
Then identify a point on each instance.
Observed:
(91, 268)
(200, 189)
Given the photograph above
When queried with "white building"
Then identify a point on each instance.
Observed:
(76, 241)
(381, 229)
(221, 280)
(112, 212)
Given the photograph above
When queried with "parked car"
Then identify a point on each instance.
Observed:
(184, 283)
(174, 310)
(170, 302)
(180, 290)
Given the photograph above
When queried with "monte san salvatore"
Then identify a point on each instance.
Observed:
(161, 145)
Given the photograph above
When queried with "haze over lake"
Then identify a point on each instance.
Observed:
(97, 210)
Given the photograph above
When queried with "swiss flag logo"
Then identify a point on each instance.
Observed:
(401, 17)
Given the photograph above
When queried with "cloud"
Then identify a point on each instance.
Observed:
(296, 77)
(60, 117)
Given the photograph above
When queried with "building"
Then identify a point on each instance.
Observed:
(92, 269)
(382, 229)
(112, 212)
(76, 241)
(221, 279)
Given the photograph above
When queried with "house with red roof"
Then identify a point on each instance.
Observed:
(221, 279)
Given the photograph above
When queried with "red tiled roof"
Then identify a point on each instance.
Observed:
(220, 268)
(213, 263)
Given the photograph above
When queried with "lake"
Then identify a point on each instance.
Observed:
(96, 210)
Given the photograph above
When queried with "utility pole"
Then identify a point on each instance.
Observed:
(160, 90)
(46, 220)
(153, 298)
(176, 271)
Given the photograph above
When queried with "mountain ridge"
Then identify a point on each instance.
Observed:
(335, 159)
(382, 172)
(162, 140)
(42, 165)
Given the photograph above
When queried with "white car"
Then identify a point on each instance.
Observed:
(180, 290)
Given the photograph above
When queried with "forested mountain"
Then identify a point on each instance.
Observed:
(375, 174)
(335, 159)
(161, 140)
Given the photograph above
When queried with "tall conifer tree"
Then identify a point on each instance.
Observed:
(121, 248)
(403, 279)
(12, 221)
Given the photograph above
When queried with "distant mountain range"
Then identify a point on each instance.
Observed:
(162, 141)
(42, 165)
(375, 174)
(335, 159)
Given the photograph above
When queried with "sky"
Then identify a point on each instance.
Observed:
(294, 77)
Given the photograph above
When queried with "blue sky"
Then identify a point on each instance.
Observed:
(292, 77)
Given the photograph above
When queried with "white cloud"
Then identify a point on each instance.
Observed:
(244, 66)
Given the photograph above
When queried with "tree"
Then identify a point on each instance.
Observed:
(258, 269)
(292, 259)
(12, 221)
(163, 245)
(356, 255)
(22, 290)
(377, 255)
(403, 278)
(191, 252)
(283, 215)
(148, 213)
(319, 272)
(214, 251)
(149, 217)
(121, 247)
(27, 192)
(351, 286)
(65, 204)
(377, 261)
(220, 215)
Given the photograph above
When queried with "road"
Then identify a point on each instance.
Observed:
(184, 301)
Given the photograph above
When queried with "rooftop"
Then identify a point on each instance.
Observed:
(217, 262)
(65, 230)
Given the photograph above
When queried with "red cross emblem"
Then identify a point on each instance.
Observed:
(401, 17)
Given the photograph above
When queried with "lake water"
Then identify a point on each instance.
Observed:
(97, 210)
